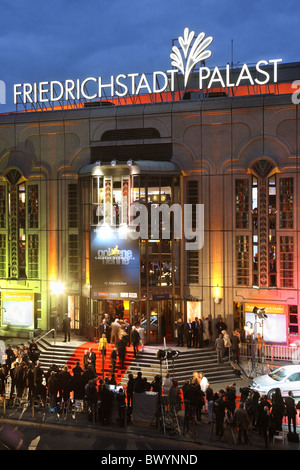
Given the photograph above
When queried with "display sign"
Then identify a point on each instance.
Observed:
(114, 265)
(192, 50)
(17, 309)
(273, 328)
(193, 309)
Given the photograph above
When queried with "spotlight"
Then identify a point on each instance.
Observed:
(172, 354)
(261, 313)
(113, 163)
(129, 162)
(161, 354)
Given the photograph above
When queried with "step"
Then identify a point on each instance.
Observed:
(183, 366)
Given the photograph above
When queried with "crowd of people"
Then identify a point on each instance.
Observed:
(196, 396)
(26, 378)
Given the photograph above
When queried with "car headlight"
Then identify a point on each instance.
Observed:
(255, 385)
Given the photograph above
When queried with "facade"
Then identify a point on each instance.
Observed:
(64, 173)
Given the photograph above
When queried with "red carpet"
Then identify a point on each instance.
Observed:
(119, 372)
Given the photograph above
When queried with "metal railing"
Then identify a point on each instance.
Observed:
(48, 332)
(271, 352)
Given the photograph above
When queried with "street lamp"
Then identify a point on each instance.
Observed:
(56, 288)
(217, 298)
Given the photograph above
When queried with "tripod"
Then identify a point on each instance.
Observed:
(169, 418)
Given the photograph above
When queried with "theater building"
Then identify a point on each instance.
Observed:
(67, 173)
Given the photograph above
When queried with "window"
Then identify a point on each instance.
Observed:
(2, 206)
(192, 266)
(33, 206)
(242, 260)
(286, 202)
(272, 232)
(242, 203)
(3, 273)
(192, 198)
(33, 256)
(293, 320)
(73, 205)
(73, 257)
(287, 261)
(294, 377)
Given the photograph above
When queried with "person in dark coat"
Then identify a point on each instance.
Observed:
(219, 410)
(235, 341)
(180, 331)
(88, 374)
(121, 347)
(291, 412)
(127, 329)
(67, 327)
(52, 386)
(195, 332)
(262, 404)
(113, 360)
(200, 333)
(135, 339)
(77, 382)
(189, 333)
(10, 357)
(130, 389)
(92, 359)
(107, 399)
(267, 426)
(91, 395)
(230, 398)
(139, 384)
(33, 351)
(220, 325)
(66, 380)
(278, 409)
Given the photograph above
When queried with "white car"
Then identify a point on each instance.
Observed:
(286, 378)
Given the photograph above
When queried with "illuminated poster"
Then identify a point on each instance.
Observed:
(193, 310)
(114, 265)
(273, 328)
(17, 309)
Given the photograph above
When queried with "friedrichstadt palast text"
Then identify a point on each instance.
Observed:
(123, 85)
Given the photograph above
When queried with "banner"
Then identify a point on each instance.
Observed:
(17, 309)
(114, 265)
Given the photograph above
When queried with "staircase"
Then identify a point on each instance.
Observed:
(189, 361)
(67, 354)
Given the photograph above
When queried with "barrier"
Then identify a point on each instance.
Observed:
(145, 407)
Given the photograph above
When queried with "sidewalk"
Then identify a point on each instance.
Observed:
(203, 437)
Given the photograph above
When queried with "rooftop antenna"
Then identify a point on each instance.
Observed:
(231, 53)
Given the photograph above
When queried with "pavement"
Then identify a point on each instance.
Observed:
(201, 437)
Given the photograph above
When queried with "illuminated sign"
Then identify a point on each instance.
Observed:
(268, 308)
(273, 328)
(17, 309)
(193, 50)
(114, 266)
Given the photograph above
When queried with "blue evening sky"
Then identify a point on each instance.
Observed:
(70, 39)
